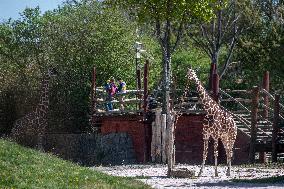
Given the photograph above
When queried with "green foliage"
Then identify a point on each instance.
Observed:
(27, 168)
(260, 48)
(159, 9)
(73, 39)
(189, 57)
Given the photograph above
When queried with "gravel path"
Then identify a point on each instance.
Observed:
(155, 176)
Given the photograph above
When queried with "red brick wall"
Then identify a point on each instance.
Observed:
(188, 139)
(189, 143)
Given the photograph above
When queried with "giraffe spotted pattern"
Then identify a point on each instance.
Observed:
(35, 122)
(217, 123)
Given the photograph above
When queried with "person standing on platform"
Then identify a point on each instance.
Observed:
(108, 99)
(121, 91)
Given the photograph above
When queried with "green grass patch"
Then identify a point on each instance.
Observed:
(22, 167)
(268, 180)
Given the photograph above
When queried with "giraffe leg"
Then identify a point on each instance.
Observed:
(39, 142)
(41, 131)
(216, 156)
(229, 158)
(205, 149)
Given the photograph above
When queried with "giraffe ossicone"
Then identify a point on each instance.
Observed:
(218, 124)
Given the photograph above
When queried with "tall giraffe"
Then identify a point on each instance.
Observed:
(35, 122)
(217, 123)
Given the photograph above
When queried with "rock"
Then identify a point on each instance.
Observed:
(182, 173)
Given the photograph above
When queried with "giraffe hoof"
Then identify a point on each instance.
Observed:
(216, 174)
(200, 174)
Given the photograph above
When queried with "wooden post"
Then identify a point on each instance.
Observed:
(265, 85)
(145, 82)
(154, 141)
(139, 88)
(164, 138)
(156, 137)
(170, 145)
(212, 71)
(216, 87)
(275, 127)
(253, 129)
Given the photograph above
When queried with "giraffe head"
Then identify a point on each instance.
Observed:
(191, 75)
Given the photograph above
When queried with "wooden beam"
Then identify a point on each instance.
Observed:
(253, 130)
(216, 87)
(139, 96)
(275, 127)
(265, 85)
(145, 83)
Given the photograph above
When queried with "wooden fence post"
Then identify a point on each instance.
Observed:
(170, 145)
(139, 88)
(145, 83)
(156, 137)
(265, 85)
(275, 127)
(163, 137)
(253, 129)
(216, 87)
(211, 75)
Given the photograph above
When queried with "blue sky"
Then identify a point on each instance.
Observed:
(12, 8)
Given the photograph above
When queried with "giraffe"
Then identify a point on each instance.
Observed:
(35, 122)
(217, 123)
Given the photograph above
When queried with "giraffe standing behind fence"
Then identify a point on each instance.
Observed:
(218, 124)
(35, 122)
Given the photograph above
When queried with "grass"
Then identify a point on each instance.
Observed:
(21, 167)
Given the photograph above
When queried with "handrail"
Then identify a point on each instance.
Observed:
(230, 97)
(271, 96)
(272, 110)
(244, 106)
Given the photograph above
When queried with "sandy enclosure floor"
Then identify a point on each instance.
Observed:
(155, 176)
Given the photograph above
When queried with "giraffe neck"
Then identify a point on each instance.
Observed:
(207, 101)
(44, 97)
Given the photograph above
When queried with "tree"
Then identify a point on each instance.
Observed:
(220, 35)
(73, 38)
(168, 18)
(259, 48)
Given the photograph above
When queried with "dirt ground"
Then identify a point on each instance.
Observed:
(155, 176)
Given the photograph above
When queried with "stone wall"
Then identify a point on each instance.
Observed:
(139, 132)
(89, 149)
